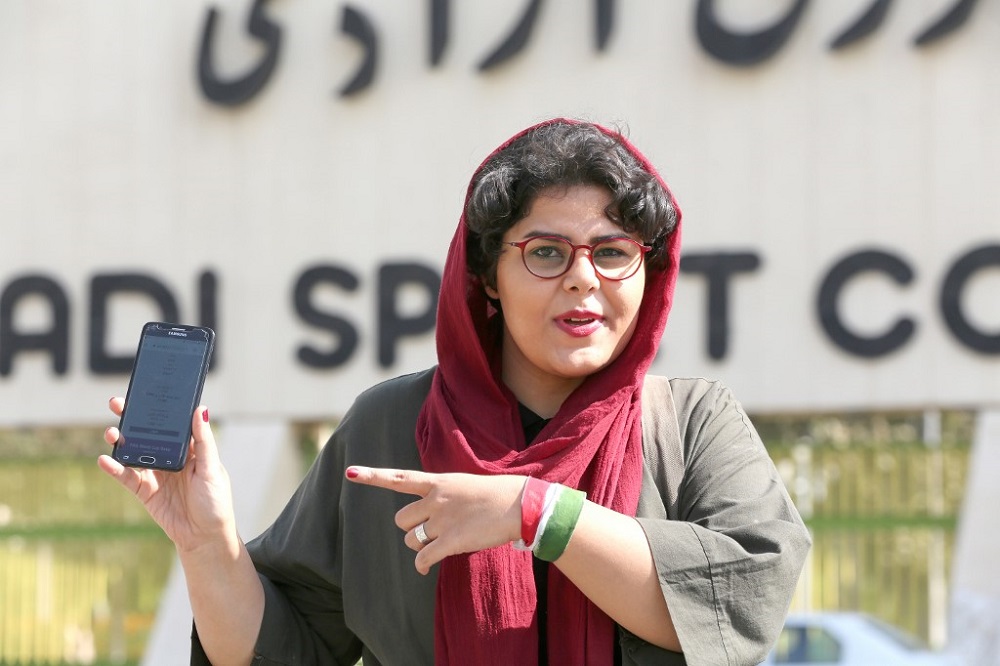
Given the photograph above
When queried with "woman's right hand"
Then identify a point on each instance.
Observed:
(194, 506)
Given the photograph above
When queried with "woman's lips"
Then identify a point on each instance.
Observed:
(579, 324)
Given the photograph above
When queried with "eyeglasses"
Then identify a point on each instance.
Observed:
(550, 256)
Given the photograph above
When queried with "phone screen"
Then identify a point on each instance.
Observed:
(164, 391)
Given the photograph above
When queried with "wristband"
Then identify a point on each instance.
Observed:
(557, 528)
(548, 506)
(532, 503)
(532, 507)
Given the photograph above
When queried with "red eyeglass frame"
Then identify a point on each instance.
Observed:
(590, 255)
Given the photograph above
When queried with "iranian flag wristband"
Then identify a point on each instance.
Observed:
(532, 503)
(558, 523)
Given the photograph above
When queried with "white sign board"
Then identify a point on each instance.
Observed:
(842, 228)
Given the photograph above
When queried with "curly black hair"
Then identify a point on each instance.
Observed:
(563, 154)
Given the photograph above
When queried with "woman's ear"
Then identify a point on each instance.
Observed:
(489, 289)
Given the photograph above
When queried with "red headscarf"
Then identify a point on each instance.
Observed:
(486, 602)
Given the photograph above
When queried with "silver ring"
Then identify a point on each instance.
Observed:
(421, 535)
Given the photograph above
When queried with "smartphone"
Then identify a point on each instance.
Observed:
(163, 392)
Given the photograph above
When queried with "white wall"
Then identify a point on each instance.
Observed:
(113, 161)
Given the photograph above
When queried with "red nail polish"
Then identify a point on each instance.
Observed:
(204, 416)
(352, 472)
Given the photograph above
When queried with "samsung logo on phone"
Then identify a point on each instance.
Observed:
(183, 335)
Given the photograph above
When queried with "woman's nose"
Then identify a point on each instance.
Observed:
(582, 273)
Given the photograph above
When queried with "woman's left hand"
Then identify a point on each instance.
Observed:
(460, 513)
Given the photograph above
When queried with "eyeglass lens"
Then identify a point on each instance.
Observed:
(614, 259)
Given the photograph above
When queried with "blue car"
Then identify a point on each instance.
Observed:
(850, 639)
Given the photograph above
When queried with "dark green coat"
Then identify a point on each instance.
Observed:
(727, 542)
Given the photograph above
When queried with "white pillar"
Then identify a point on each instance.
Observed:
(937, 572)
(975, 602)
(265, 468)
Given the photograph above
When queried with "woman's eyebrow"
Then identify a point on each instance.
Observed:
(542, 232)
(592, 241)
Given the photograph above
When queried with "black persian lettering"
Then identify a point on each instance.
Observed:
(515, 42)
(866, 24)
(731, 47)
(244, 88)
(605, 22)
(356, 25)
(949, 22)
(440, 23)
(748, 48)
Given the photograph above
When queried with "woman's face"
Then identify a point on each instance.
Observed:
(558, 331)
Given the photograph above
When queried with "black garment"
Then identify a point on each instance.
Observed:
(532, 424)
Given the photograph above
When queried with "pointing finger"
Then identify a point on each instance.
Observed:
(406, 481)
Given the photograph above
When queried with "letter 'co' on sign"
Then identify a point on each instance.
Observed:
(897, 269)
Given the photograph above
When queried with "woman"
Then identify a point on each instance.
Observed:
(553, 301)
